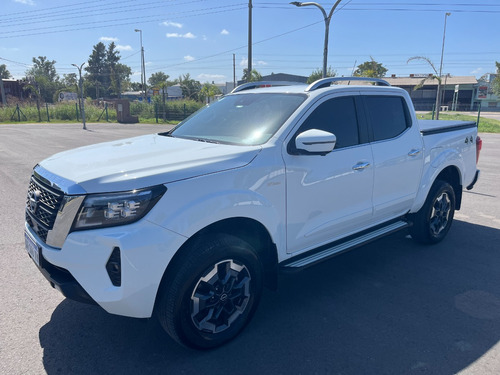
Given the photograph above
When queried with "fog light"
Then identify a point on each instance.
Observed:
(114, 267)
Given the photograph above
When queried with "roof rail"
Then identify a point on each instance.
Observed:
(259, 84)
(325, 82)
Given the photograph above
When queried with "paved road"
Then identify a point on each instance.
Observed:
(391, 307)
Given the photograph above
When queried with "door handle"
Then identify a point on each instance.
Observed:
(414, 152)
(361, 166)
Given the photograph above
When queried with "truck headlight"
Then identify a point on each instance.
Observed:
(106, 210)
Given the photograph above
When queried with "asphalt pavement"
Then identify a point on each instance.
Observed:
(391, 307)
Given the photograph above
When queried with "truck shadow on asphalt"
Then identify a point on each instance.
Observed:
(389, 307)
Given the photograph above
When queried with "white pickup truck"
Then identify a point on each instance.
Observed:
(189, 225)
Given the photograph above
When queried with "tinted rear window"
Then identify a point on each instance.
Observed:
(388, 116)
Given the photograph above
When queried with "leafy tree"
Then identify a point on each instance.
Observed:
(69, 80)
(496, 81)
(370, 69)
(119, 78)
(255, 76)
(318, 74)
(157, 79)
(106, 76)
(190, 87)
(96, 68)
(208, 91)
(43, 77)
(4, 73)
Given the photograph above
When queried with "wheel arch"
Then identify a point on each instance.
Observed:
(246, 229)
(451, 175)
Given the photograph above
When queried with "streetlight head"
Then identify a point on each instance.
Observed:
(448, 14)
(296, 3)
(137, 30)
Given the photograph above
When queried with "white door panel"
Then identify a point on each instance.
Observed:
(326, 196)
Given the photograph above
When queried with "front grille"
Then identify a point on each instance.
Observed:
(42, 204)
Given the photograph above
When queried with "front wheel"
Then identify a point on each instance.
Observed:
(212, 292)
(433, 221)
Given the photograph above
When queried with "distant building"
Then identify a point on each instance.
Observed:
(460, 88)
(13, 87)
(484, 94)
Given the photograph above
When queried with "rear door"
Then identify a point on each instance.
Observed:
(397, 154)
(329, 196)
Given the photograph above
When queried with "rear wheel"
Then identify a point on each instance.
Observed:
(212, 292)
(433, 221)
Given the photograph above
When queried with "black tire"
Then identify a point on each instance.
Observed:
(433, 221)
(211, 292)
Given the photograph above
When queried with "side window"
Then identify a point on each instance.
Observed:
(388, 116)
(337, 116)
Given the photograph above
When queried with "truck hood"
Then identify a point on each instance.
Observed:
(145, 161)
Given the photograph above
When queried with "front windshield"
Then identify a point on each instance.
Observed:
(244, 119)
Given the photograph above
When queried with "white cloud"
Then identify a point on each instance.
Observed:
(173, 24)
(177, 35)
(224, 32)
(477, 71)
(244, 63)
(25, 2)
(108, 39)
(188, 58)
(204, 37)
(119, 47)
(211, 77)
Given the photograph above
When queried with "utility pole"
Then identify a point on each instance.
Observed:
(82, 105)
(438, 94)
(249, 72)
(234, 70)
(143, 67)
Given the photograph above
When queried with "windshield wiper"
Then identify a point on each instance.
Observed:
(206, 140)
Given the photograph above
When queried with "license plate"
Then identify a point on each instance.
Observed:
(33, 249)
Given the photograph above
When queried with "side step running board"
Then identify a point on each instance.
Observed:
(337, 248)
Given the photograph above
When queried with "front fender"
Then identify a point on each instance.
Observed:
(189, 206)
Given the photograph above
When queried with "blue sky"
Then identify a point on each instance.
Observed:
(200, 36)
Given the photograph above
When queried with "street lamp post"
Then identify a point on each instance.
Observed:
(327, 19)
(438, 96)
(80, 83)
(143, 68)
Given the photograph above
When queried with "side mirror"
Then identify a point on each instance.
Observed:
(316, 141)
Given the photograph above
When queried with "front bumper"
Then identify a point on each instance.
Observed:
(78, 269)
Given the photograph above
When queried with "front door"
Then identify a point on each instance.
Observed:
(329, 196)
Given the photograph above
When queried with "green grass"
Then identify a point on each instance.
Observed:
(486, 125)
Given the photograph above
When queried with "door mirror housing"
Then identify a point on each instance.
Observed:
(315, 141)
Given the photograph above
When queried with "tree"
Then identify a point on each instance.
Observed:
(430, 77)
(190, 87)
(106, 76)
(318, 74)
(156, 79)
(496, 81)
(4, 73)
(370, 69)
(256, 76)
(43, 77)
(96, 68)
(208, 91)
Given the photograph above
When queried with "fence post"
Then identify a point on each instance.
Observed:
(156, 112)
(433, 110)
(479, 113)
(77, 118)
(47, 108)
(184, 110)
(106, 108)
(18, 113)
